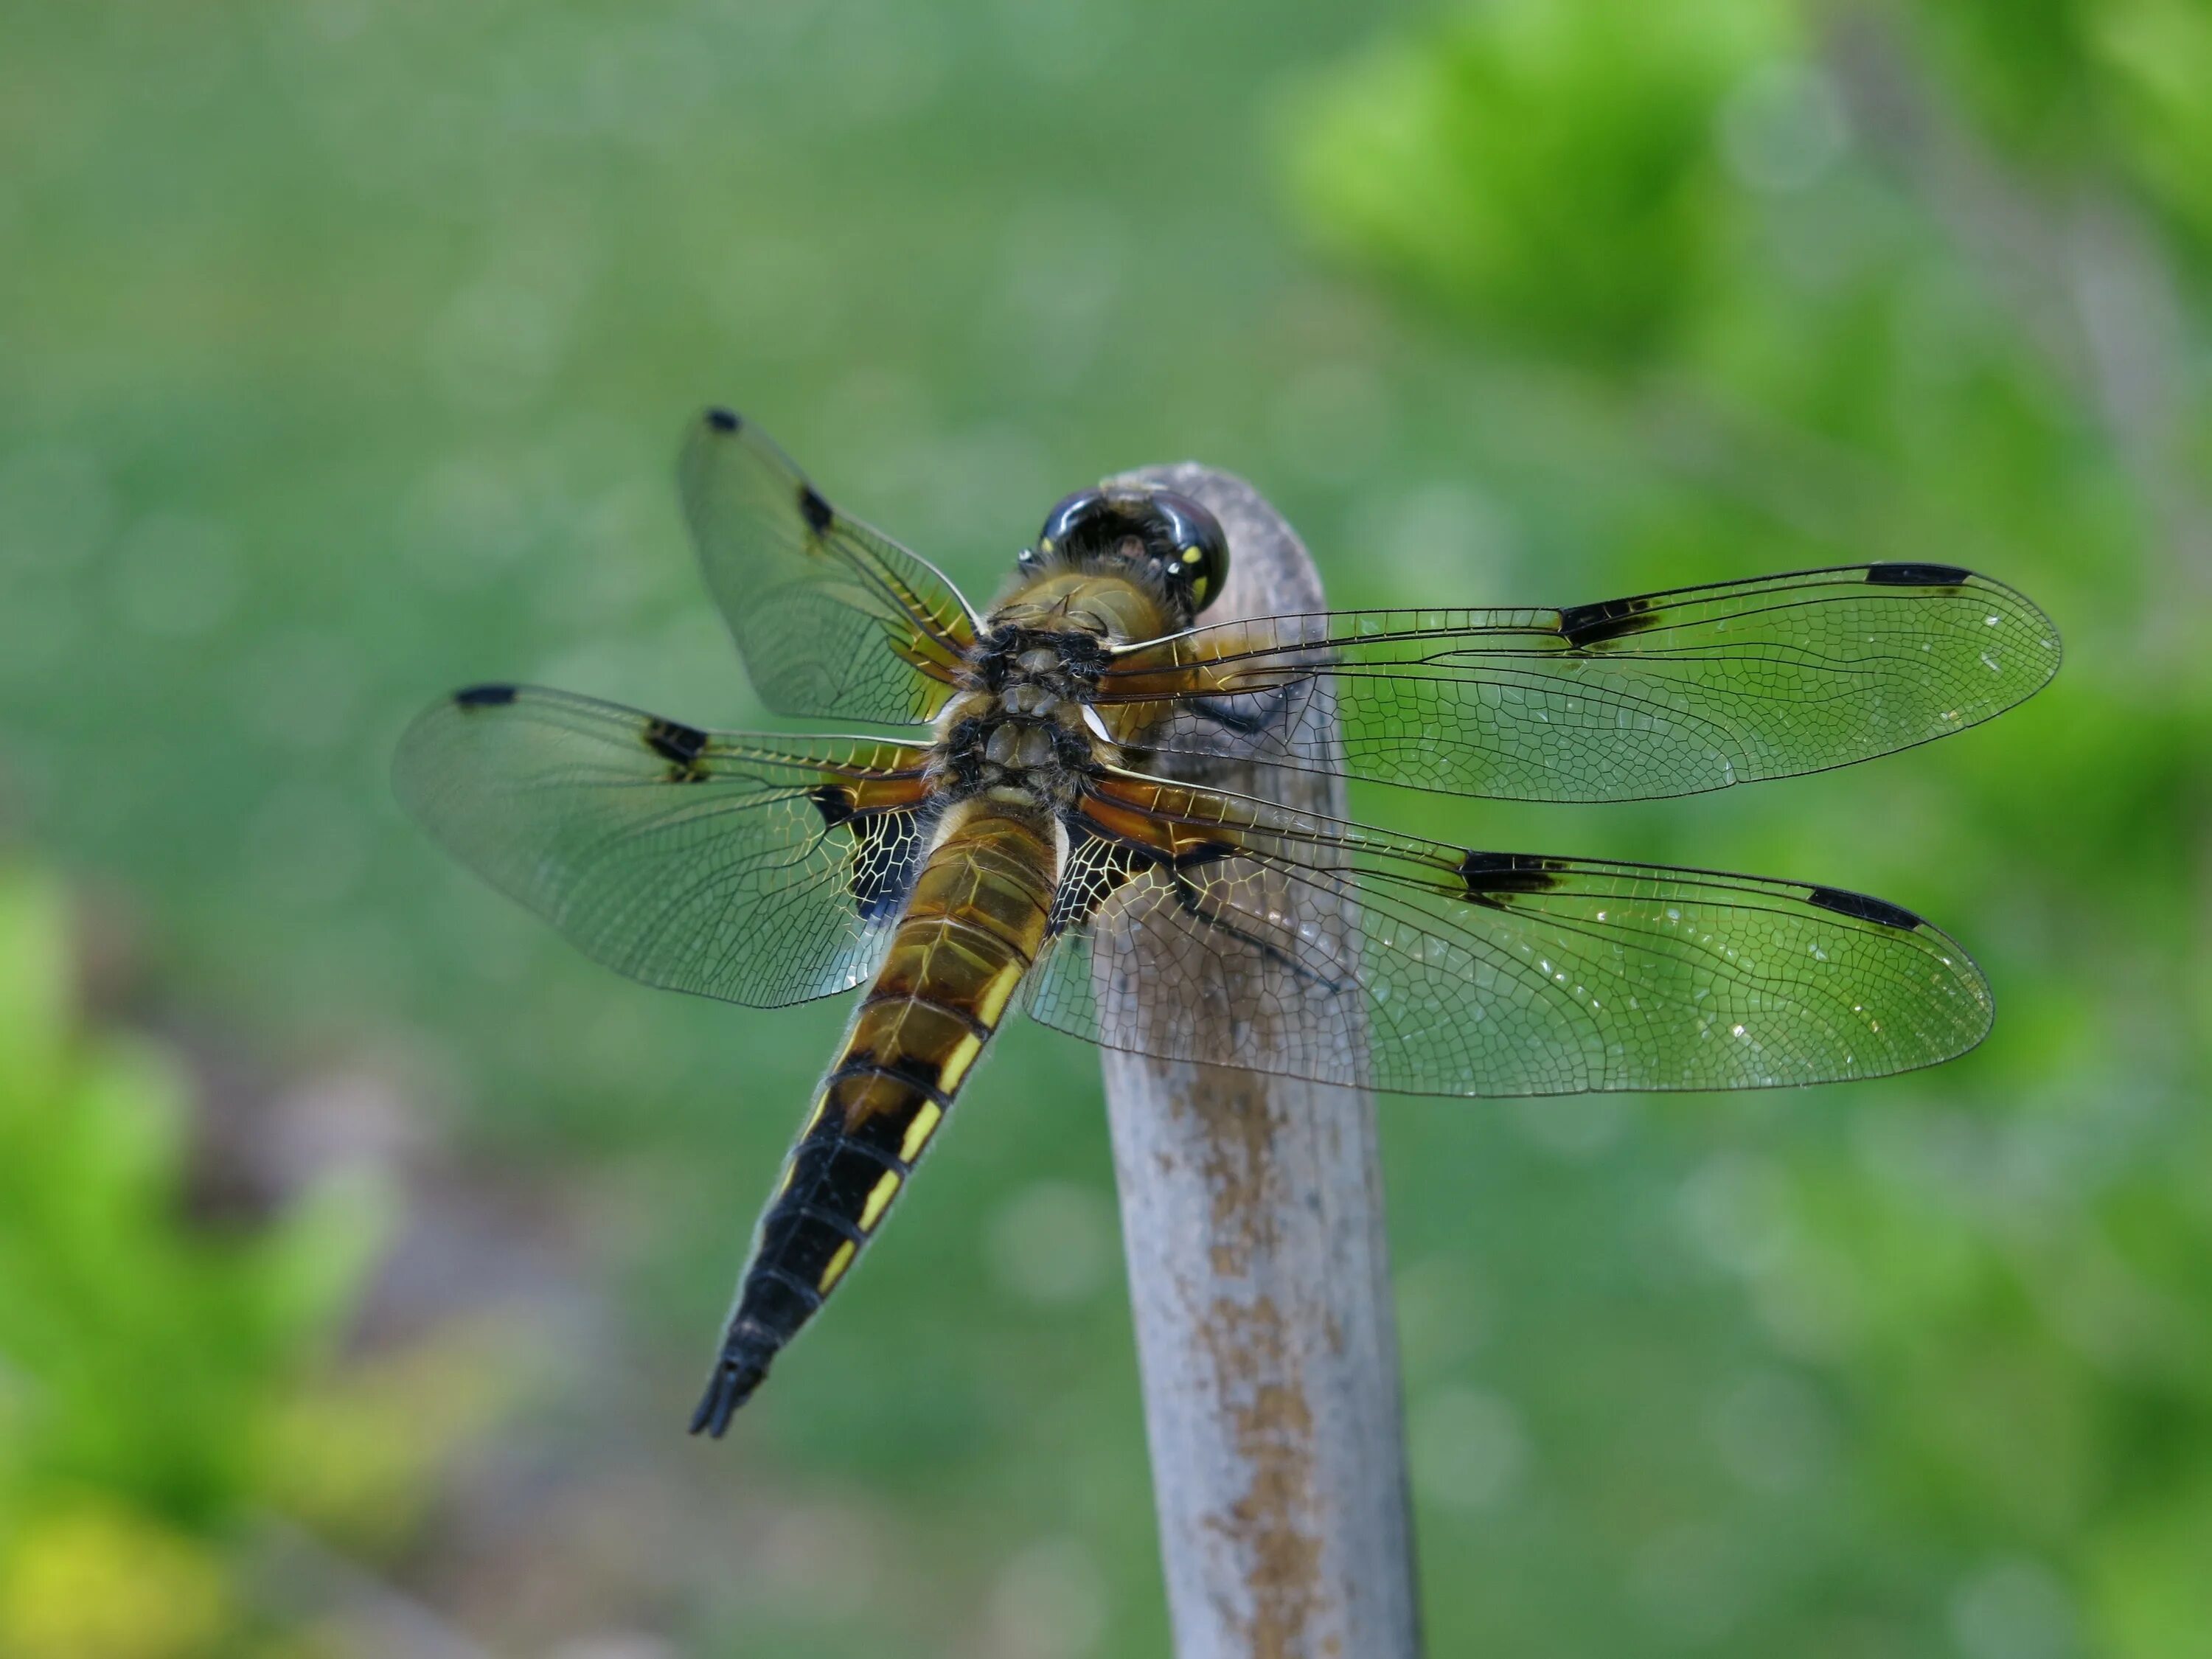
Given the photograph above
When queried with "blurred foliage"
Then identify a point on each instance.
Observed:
(155, 1376)
(1549, 165)
(346, 343)
(148, 1356)
(2084, 85)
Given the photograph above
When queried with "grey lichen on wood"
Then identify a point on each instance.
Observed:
(1259, 1276)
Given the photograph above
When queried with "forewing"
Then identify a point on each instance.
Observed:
(1664, 694)
(764, 870)
(834, 619)
(1193, 926)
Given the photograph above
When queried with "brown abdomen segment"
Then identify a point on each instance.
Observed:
(971, 929)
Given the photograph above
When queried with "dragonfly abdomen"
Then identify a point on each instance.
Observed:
(971, 928)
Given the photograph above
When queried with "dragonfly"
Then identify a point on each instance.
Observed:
(1031, 824)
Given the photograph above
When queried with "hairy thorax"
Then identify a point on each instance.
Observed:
(1022, 730)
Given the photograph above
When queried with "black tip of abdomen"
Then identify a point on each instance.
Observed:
(737, 1374)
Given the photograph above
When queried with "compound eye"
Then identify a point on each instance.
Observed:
(1067, 524)
(1198, 558)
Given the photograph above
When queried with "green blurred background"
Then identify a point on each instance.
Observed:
(361, 1247)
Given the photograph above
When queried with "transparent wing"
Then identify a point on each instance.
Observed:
(834, 619)
(1196, 925)
(764, 870)
(1666, 694)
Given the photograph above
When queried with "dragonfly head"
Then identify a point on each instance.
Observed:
(1169, 539)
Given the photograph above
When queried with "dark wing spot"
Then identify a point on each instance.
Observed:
(815, 510)
(1484, 875)
(1917, 575)
(1093, 877)
(680, 746)
(1608, 619)
(887, 848)
(886, 860)
(885, 864)
(484, 696)
(1860, 908)
(723, 419)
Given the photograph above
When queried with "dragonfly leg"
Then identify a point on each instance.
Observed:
(1192, 902)
(1266, 712)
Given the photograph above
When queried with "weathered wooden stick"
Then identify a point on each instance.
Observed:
(1259, 1276)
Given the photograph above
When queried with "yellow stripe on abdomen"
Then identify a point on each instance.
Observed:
(879, 1198)
(918, 1128)
(992, 1006)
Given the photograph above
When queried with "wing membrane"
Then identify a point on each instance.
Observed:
(1664, 694)
(835, 620)
(763, 870)
(1198, 925)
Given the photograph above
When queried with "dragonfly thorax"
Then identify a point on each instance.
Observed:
(1018, 729)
